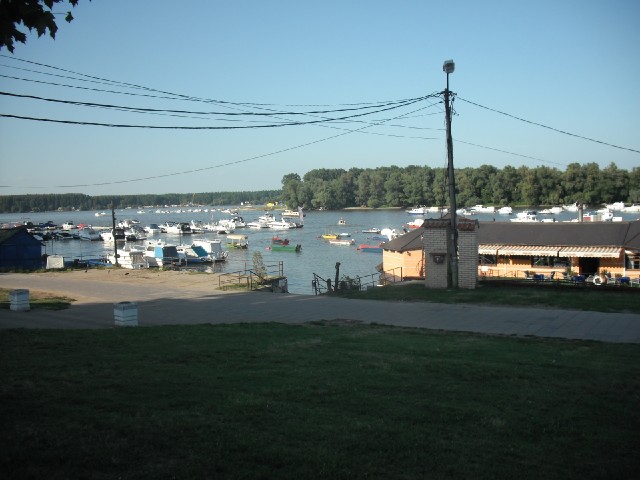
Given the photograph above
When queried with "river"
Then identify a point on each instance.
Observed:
(316, 256)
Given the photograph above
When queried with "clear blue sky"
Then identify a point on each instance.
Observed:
(572, 65)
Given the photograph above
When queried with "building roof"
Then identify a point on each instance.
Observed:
(8, 234)
(586, 234)
(539, 236)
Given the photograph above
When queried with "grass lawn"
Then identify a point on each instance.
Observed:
(600, 299)
(322, 400)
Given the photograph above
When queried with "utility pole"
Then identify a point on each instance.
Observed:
(452, 244)
(113, 234)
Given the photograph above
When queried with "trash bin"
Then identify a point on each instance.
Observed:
(125, 314)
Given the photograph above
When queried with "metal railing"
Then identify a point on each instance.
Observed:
(322, 286)
(248, 278)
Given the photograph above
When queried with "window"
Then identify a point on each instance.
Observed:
(488, 260)
(556, 262)
(632, 262)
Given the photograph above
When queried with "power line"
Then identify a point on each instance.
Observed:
(154, 110)
(227, 127)
(550, 128)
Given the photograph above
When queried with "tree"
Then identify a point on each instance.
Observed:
(33, 14)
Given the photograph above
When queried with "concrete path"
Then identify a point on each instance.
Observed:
(164, 305)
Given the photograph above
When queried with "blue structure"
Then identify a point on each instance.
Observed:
(19, 250)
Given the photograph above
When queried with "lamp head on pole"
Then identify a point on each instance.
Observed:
(448, 66)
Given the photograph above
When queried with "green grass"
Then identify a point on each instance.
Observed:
(599, 299)
(37, 300)
(322, 400)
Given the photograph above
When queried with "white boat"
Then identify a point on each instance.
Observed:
(134, 233)
(239, 222)
(152, 229)
(68, 226)
(415, 223)
(371, 230)
(483, 209)
(88, 233)
(632, 209)
(110, 235)
(176, 228)
(616, 206)
(194, 254)
(213, 248)
(526, 216)
(128, 258)
(571, 208)
(291, 214)
(342, 221)
(158, 254)
(256, 224)
(422, 210)
(551, 211)
(100, 214)
(342, 242)
(281, 225)
(505, 211)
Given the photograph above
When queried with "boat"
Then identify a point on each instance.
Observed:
(329, 236)
(159, 254)
(526, 216)
(89, 234)
(194, 254)
(68, 226)
(342, 221)
(370, 248)
(134, 233)
(505, 211)
(616, 206)
(415, 223)
(632, 209)
(100, 214)
(291, 213)
(344, 242)
(177, 227)
(483, 209)
(551, 211)
(281, 225)
(213, 248)
(152, 229)
(133, 259)
(571, 208)
(371, 230)
(276, 240)
(237, 241)
(112, 235)
(276, 247)
(422, 210)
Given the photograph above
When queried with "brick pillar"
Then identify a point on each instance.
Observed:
(436, 260)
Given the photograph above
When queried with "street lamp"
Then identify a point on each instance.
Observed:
(452, 244)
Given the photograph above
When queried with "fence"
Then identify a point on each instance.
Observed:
(248, 278)
(321, 286)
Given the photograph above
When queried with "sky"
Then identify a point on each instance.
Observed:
(536, 83)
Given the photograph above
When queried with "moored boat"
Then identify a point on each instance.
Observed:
(342, 242)
(370, 248)
(277, 247)
(237, 241)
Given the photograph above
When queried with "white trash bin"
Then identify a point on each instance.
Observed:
(125, 314)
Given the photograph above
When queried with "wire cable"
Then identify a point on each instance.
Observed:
(550, 128)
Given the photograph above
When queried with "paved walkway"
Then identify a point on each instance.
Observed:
(163, 305)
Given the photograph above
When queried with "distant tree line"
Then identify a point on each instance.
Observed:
(79, 201)
(487, 185)
(392, 186)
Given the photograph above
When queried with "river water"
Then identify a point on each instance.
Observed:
(316, 256)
